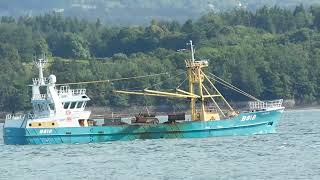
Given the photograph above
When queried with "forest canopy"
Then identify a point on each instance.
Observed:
(137, 12)
(271, 53)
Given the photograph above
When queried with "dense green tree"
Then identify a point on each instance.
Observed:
(315, 10)
(271, 53)
(13, 94)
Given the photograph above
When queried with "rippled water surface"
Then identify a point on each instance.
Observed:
(292, 153)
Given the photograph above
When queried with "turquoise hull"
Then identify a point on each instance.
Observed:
(260, 122)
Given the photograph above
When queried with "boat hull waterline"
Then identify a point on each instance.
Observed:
(260, 122)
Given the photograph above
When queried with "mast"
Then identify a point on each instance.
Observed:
(40, 64)
(196, 79)
(40, 81)
(191, 82)
(192, 50)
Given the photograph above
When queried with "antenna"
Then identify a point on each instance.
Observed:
(192, 50)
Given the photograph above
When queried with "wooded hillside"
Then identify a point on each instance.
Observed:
(270, 53)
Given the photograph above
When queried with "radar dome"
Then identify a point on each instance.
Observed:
(52, 79)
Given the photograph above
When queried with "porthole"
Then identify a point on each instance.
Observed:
(30, 124)
(39, 124)
(52, 124)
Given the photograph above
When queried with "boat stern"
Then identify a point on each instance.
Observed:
(14, 136)
(14, 129)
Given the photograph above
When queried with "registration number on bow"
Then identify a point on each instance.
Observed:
(248, 118)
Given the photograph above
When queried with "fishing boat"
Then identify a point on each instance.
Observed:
(59, 114)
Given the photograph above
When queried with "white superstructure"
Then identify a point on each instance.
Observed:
(52, 106)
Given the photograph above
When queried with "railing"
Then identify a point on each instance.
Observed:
(265, 105)
(22, 116)
(72, 92)
(13, 117)
(78, 91)
(190, 63)
(30, 116)
(39, 96)
(38, 81)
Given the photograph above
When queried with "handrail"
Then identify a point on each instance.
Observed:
(37, 81)
(12, 117)
(39, 96)
(22, 116)
(72, 92)
(265, 104)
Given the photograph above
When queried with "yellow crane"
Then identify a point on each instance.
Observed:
(197, 92)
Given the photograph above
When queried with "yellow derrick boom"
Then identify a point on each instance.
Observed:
(172, 94)
(158, 93)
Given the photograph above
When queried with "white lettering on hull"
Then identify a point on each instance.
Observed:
(248, 118)
(45, 131)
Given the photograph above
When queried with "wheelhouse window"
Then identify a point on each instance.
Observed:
(66, 105)
(36, 107)
(79, 104)
(51, 107)
(41, 107)
(73, 105)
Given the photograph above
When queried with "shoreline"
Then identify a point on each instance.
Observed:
(102, 112)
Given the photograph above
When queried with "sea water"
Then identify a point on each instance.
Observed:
(292, 153)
